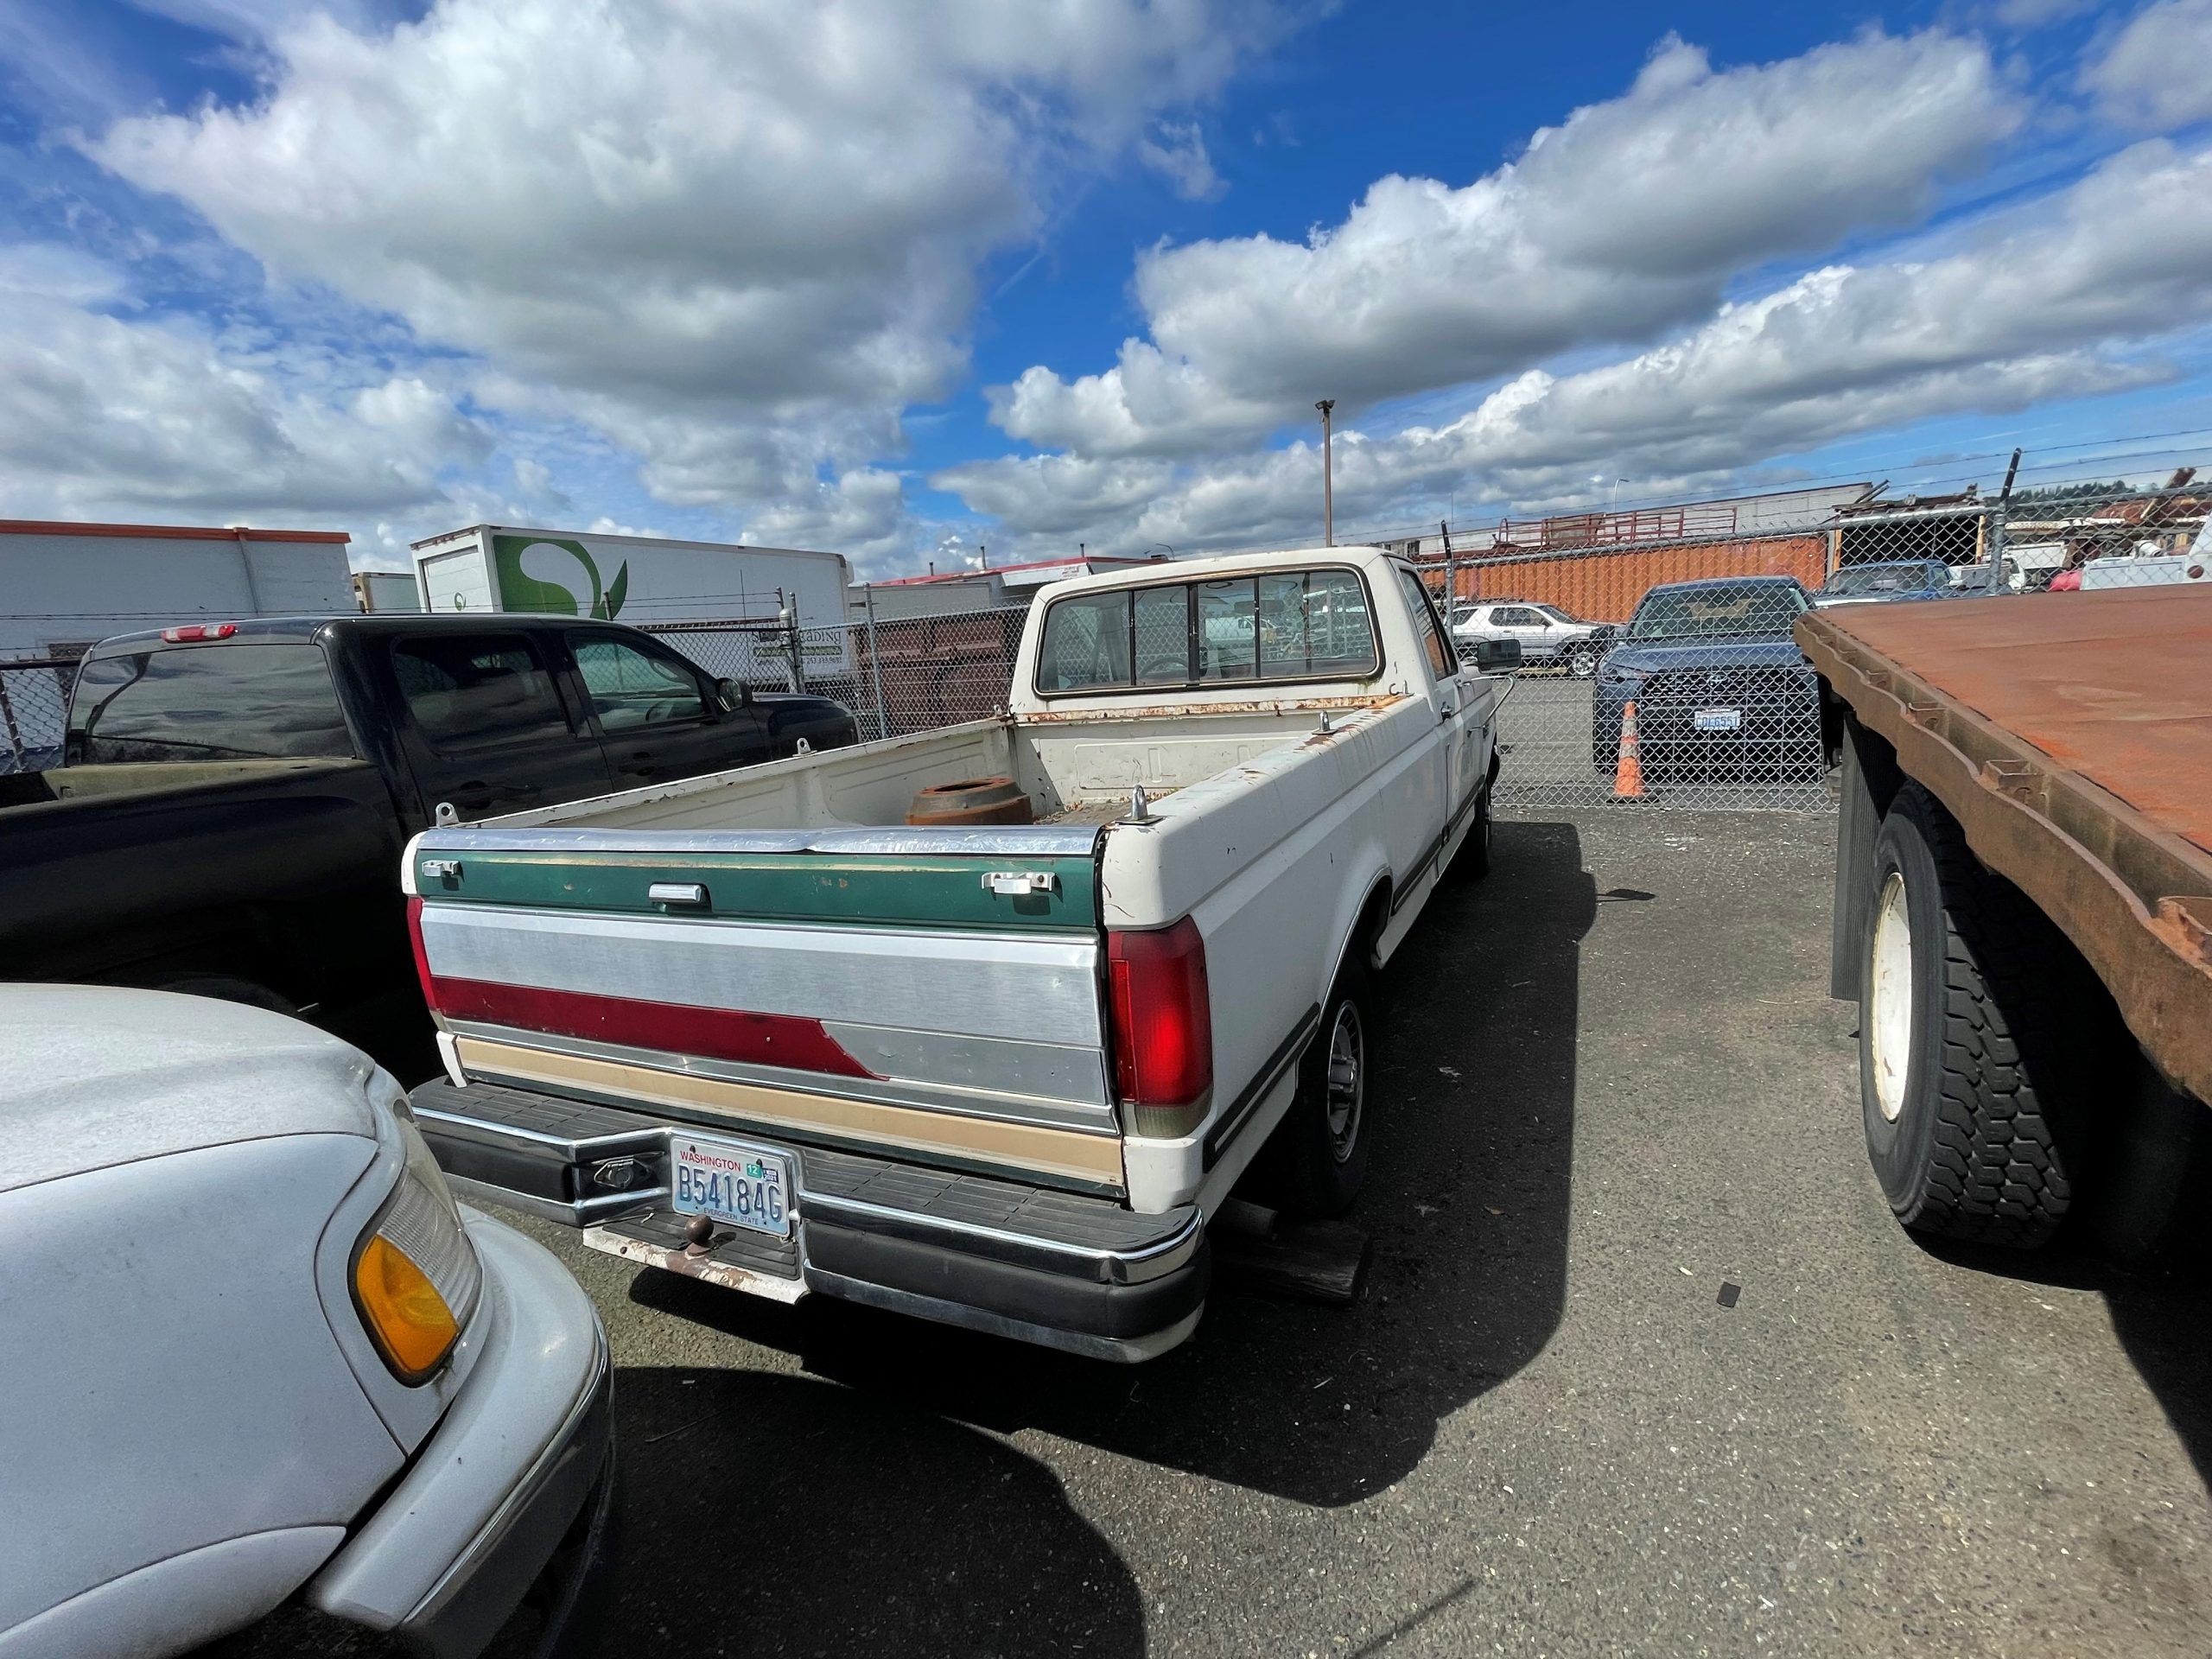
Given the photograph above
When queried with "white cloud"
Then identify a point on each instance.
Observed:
(862, 513)
(1630, 217)
(739, 238)
(2054, 300)
(106, 416)
(2157, 75)
(2034, 14)
(1177, 152)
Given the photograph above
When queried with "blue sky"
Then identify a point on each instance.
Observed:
(896, 280)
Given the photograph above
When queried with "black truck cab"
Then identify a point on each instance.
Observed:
(234, 797)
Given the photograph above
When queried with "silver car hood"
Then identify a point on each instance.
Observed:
(93, 1076)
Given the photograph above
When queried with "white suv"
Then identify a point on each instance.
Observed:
(1548, 636)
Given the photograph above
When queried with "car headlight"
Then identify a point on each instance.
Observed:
(1614, 674)
(416, 1276)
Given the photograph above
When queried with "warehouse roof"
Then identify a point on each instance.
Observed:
(167, 532)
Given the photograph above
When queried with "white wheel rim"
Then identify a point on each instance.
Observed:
(1889, 1013)
(1347, 1081)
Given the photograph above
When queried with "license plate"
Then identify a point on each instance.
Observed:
(1718, 720)
(729, 1181)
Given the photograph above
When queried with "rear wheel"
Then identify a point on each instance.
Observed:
(1582, 661)
(1960, 1062)
(1324, 1137)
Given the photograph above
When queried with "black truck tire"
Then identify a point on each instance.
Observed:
(1960, 1062)
(1323, 1138)
(1470, 860)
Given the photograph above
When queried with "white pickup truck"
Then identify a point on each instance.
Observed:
(757, 1028)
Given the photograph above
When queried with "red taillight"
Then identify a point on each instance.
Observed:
(422, 956)
(1163, 1025)
(194, 632)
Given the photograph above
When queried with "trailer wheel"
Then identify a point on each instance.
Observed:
(1324, 1135)
(1958, 1053)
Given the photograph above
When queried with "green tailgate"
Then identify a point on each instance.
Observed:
(900, 890)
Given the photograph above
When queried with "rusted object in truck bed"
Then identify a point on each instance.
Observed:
(2071, 736)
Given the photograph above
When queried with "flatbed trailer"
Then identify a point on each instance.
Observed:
(2024, 902)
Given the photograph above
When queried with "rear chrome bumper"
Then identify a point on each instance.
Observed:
(1061, 1269)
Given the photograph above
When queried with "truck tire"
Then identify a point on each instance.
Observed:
(1959, 1057)
(1472, 861)
(1324, 1135)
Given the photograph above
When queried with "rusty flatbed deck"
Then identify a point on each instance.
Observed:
(2071, 736)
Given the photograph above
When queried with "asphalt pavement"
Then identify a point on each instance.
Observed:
(1642, 1367)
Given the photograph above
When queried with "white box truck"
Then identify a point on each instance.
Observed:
(649, 582)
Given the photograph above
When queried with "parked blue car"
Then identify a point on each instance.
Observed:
(1719, 684)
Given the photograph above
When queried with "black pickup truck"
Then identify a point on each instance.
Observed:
(234, 797)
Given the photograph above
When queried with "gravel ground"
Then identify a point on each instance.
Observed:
(1613, 1087)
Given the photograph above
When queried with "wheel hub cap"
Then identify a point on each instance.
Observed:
(1347, 1081)
(1889, 1000)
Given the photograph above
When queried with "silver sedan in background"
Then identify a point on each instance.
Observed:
(252, 1350)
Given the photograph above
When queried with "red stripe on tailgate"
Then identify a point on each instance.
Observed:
(796, 1044)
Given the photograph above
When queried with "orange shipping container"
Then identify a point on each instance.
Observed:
(1604, 585)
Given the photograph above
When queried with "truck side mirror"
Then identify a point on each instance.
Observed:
(735, 694)
(1495, 655)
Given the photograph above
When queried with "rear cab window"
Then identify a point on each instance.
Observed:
(478, 691)
(1268, 628)
(228, 702)
(1426, 623)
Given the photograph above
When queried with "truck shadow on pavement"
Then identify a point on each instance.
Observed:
(1466, 1203)
(2160, 1308)
(766, 1512)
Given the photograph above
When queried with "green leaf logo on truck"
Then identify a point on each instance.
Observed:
(541, 587)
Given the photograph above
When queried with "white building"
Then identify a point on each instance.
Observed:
(65, 586)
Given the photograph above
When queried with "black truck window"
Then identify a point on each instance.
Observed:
(481, 690)
(207, 703)
(629, 689)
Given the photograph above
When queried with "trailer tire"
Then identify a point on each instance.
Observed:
(1323, 1138)
(1960, 1062)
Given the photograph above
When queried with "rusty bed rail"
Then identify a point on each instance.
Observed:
(2134, 896)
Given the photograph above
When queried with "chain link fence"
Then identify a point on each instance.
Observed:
(34, 711)
(912, 674)
(1658, 667)
(1676, 615)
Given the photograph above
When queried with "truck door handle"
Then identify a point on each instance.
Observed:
(690, 893)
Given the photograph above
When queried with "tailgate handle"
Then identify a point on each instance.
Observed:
(1011, 882)
(692, 893)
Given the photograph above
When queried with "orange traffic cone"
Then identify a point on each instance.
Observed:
(1628, 770)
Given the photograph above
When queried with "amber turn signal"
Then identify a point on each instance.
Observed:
(410, 1322)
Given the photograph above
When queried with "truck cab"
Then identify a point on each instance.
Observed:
(234, 796)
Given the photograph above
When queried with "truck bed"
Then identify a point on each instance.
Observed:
(2071, 736)
(1076, 772)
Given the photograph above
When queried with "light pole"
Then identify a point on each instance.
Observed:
(1328, 483)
